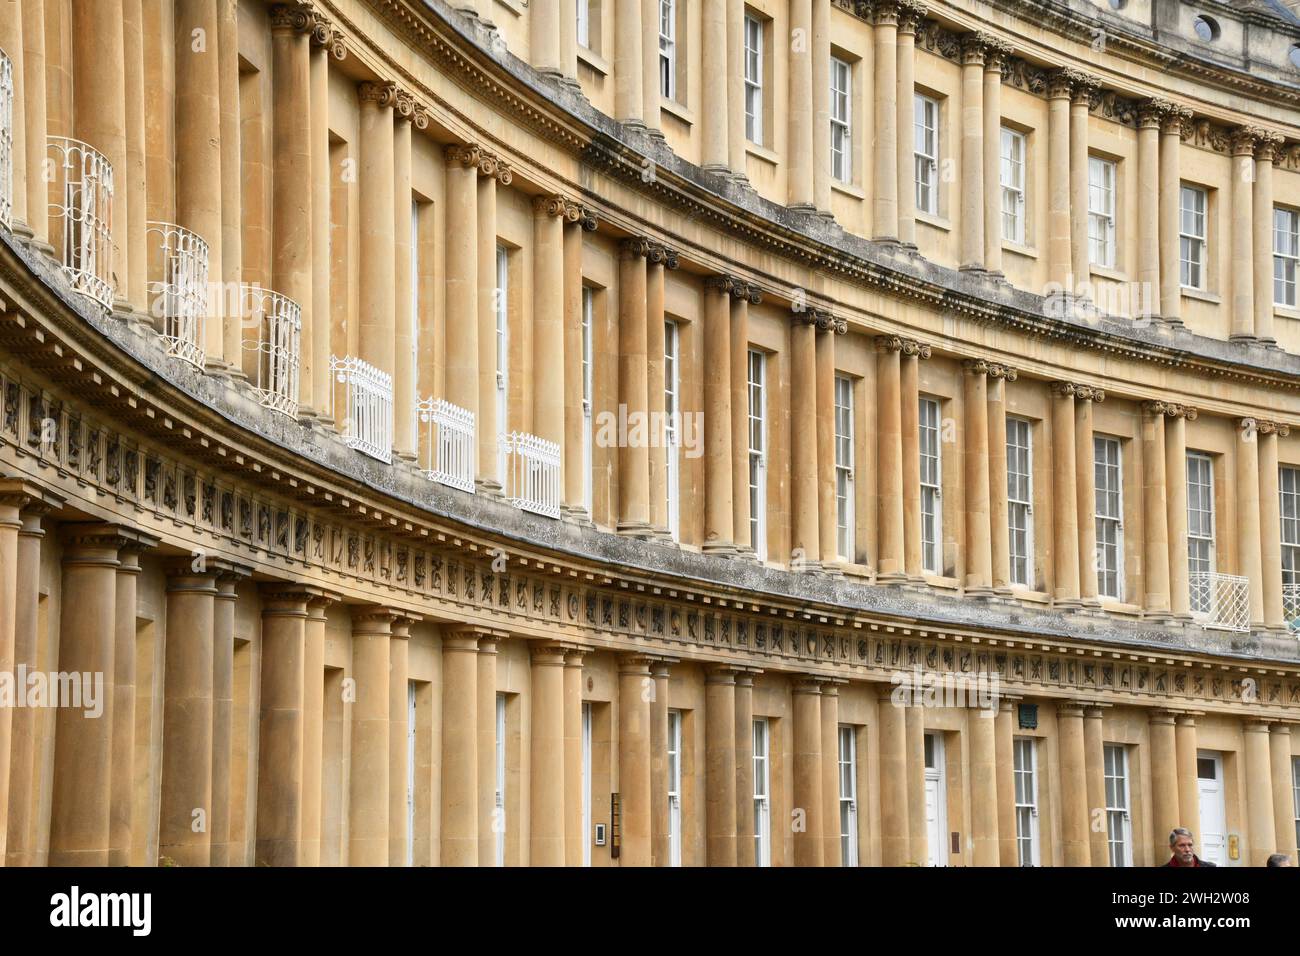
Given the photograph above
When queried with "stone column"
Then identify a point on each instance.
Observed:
(805, 522)
(910, 421)
(800, 113)
(132, 175)
(569, 42)
(735, 105)
(12, 43)
(985, 849)
(460, 843)
(713, 94)
(1270, 146)
(399, 710)
(1249, 517)
(885, 143)
(1270, 522)
(375, 173)
(544, 37)
(821, 105)
(745, 822)
(1004, 742)
(122, 761)
(405, 442)
(634, 758)
(490, 825)
(14, 496)
(1065, 580)
(574, 835)
(1060, 83)
(979, 553)
(892, 746)
(321, 380)
(1094, 768)
(33, 119)
(368, 823)
(1242, 233)
(548, 319)
(659, 850)
(574, 478)
(1085, 397)
(999, 531)
(828, 518)
(629, 78)
(1176, 501)
(910, 16)
(973, 46)
(889, 462)
(995, 53)
(1280, 758)
(1171, 142)
(1189, 800)
(720, 766)
(546, 752)
(914, 731)
(832, 852)
(633, 456)
(806, 707)
(655, 346)
(464, 265)
(1080, 264)
(1151, 114)
(183, 833)
(1074, 788)
(740, 523)
(492, 175)
(313, 718)
(232, 213)
(1164, 782)
(719, 534)
(1155, 545)
(1259, 793)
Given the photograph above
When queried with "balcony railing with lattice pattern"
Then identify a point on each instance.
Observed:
(449, 445)
(178, 289)
(361, 404)
(6, 141)
(272, 326)
(81, 217)
(1220, 601)
(531, 466)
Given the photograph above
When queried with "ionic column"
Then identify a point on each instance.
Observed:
(569, 41)
(742, 295)
(985, 849)
(1074, 788)
(548, 319)
(973, 46)
(399, 712)
(805, 523)
(492, 175)
(321, 380)
(1065, 580)
(889, 462)
(377, 303)
(885, 144)
(979, 554)
(713, 94)
(735, 103)
(1080, 259)
(821, 105)
(995, 53)
(719, 532)
(574, 835)
(910, 16)
(650, 89)
(659, 850)
(1189, 800)
(1270, 522)
(464, 265)
(910, 422)
(1094, 769)
(313, 717)
(122, 761)
(1151, 114)
(892, 759)
(634, 758)
(1176, 501)
(1270, 145)
(1249, 517)
(132, 176)
(544, 37)
(1155, 544)
(490, 829)
(1086, 489)
(633, 457)
(546, 831)
(918, 838)
(1175, 120)
(33, 120)
(745, 822)
(832, 854)
(574, 478)
(806, 705)
(629, 104)
(659, 260)
(460, 750)
(1004, 742)
(828, 327)
(1259, 793)
(720, 766)
(999, 534)
(1060, 84)
(12, 43)
(405, 442)
(1279, 740)
(14, 496)
(1164, 781)
(223, 702)
(1243, 232)
(232, 185)
(368, 823)
(800, 111)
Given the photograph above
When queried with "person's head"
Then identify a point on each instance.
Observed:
(1279, 859)
(1180, 844)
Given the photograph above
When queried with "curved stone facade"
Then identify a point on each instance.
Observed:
(791, 432)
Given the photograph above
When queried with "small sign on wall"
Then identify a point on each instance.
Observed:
(1028, 716)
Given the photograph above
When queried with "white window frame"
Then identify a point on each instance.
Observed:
(584, 23)
(1119, 802)
(503, 351)
(762, 744)
(586, 783)
(668, 49)
(1288, 485)
(753, 41)
(1286, 255)
(500, 796)
(672, 418)
(1109, 512)
(936, 769)
(588, 364)
(757, 422)
(930, 449)
(848, 767)
(841, 120)
(1025, 777)
(1013, 155)
(1200, 523)
(1193, 216)
(1020, 500)
(925, 145)
(410, 772)
(845, 517)
(1295, 794)
(674, 788)
(1103, 183)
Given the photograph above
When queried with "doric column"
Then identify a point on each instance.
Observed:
(1164, 781)
(909, 378)
(719, 532)
(634, 758)
(549, 213)
(321, 380)
(995, 53)
(404, 336)
(372, 638)
(892, 737)
(1094, 769)
(1060, 84)
(885, 143)
(464, 267)
(1270, 522)
(1151, 113)
(805, 523)
(713, 95)
(806, 705)
(979, 552)
(574, 835)
(633, 457)
(1175, 120)
(980, 722)
(544, 37)
(1065, 580)
(1155, 544)
(1249, 518)
(973, 46)
(1074, 789)
(574, 421)
(659, 849)
(918, 838)
(889, 461)
(1279, 739)
(122, 762)
(1080, 102)
(490, 825)
(1242, 233)
(399, 711)
(821, 105)
(828, 327)
(1085, 396)
(1267, 153)
(11, 42)
(32, 117)
(629, 77)
(546, 752)
(1004, 743)
(832, 854)
(378, 335)
(999, 534)
(492, 174)
(745, 769)
(1189, 800)
(742, 294)
(910, 15)
(1259, 793)
(313, 716)
(232, 184)
(460, 750)
(1176, 501)
(735, 103)
(720, 766)
(800, 111)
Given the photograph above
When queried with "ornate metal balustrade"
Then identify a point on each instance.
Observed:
(6, 141)
(1220, 602)
(361, 403)
(449, 443)
(531, 466)
(81, 216)
(1291, 606)
(178, 289)
(272, 326)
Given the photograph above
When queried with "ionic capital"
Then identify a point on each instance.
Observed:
(464, 154)
(896, 343)
(735, 287)
(1170, 410)
(383, 95)
(664, 256)
(550, 206)
(634, 246)
(1280, 429)
(300, 18)
(1004, 372)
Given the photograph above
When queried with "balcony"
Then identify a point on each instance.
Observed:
(1220, 602)
(6, 141)
(81, 217)
(1291, 606)
(178, 289)
(361, 402)
(272, 327)
(531, 467)
(449, 443)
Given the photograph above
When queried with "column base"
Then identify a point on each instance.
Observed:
(1245, 337)
(634, 529)
(717, 169)
(807, 567)
(662, 536)
(833, 569)
(1157, 617)
(981, 591)
(1067, 604)
(973, 268)
(722, 548)
(806, 208)
(891, 578)
(489, 487)
(576, 514)
(746, 554)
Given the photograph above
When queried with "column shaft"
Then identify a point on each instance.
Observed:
(368, 822)
(905, 120)
(1262, 253)
(1058, 184)
(404, 318)
(985, 849)
(1086, 489)
(828, 518)
(544, 36)
(491, 824)
(889, 464)
(633, 456)
(992, 161)
(574, 834)
(378, 243)
(917, 836)
(634, 759)
(892, 749)
(399, 708)
(321, 380)
(32, 116)
(800, 114)
(1270, 529)
(1164, 783)
(832, 854)
(1171, 296)
(713, 96)
(122, 761)
(999, 533)
(460, 749)
(910, 460)
(735, 104)
(313, 720)
(821, 104)
(1065, 582)
(979, 553)
(1176, 501)
(1148, 226)
(1243, 235)
(745, 821)
(229, 268)
(629, 106)
(719, 534)
(466, 263)
(1155, 515)
(1262, 838)
(546, 839)
(655, 356)
(1080, 256)
(1249, 542)
(1004, 741)
(1280, 763)
(885, 144)
(740, 521)
(972, 154)
(806, 705)
(574, 477)
(12, 43)
(136, 273)
(1074, 788)
(720, 768)
(548, 320)
(1189, 800)
(805, 523)
(659, 850)
(1094, 771)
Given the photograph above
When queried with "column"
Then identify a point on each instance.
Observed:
(11, 42)
(1060, 84)
(1094, 769)
(713, 94)
(806, 705)
(1270, 522)
(492, 174)
(183, 833)
(321, 380)
(885, 144)
(313, 718)
(1259, 793)
(800, 173)
(650, 86)
(910, 16)
(634, 758)
(1151, 114)
(910, 426)
(13, 498)
(889, 462)
(1080, 259)
(655, 346)
(914, 750)
(985, 849)
(368, 823)
(1155, 516)
(741, 296)
(720, 766)
(1171, 142)
(122, 761)
(719, 533)
(1189, 800)
(574, 834)
(832, 851)
(804, 462)
(569, 42)
(629, 104)
(1164, 782)
(745, 822)
(574, 465)
(464, 264)
(659, 850)
(405, 442)
(1242, 233)
(460, 750)
(1176, 501)
(1270, 146)
(1004, 739)
(32, 116)
(892, 747)
(973, 46)
(821, 102)
(828, 327)
(999, 534)
(1074, 789)
(548, 319)
(735, 104)
(1279, 740)
(280, 724)
(399, 711)
(232, 185)
(1249, 517)
(546, 831)
(1065, 581)
(378, 244)
(544, 37)
(979, 553)
(633, 456)
(132, 176)
(1086, 489)
(490, 828)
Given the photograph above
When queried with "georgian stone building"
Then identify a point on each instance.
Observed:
(453, 432)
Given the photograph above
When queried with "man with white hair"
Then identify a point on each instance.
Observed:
(1180, 844)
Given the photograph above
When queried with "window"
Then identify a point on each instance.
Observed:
(499, 821)
(926, 135)
(674, 788)
(1288, 481)
(1295, 786)
(753, 79)
(672, 439)
(757, 455)
(1206, 28)
(1101, 212)
(586, 784)
(588, 309)
(762, 806)
(1119, 828)
(841, 120)
(1026, 793)
(668, 48)
(1200, 528)
(844, 518)
(1110, 517)
(1191, 237)
(1012, 177)
(1286, 255)
(931, 493)
(503, 348)
(848, 797)
(584, 23)
(1020, 502)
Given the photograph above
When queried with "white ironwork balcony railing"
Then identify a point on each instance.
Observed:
(178, 287)
(531, 466)
(272, 326)
(81, 214)
(6, 141)
(1220, 601)
(449, 443)
(1291, 606)
(361, 402)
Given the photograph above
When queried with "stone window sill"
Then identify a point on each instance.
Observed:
(1200, 295)
(848, 189)
(935, 221)
(594, 60)
(762, 153)
(675, 109)
(514, 6)
(1029, 252)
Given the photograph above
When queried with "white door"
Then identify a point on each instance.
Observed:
(936, 815)
(1212, 841)
(586, 785)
